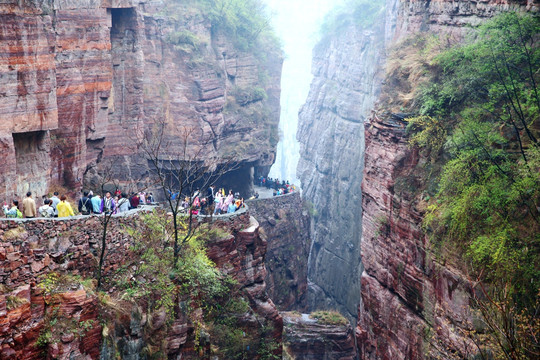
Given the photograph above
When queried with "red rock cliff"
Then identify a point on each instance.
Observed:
(32, 249)
(80, 80)
(412, 306)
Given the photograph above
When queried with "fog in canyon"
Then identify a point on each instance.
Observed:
(297, 23)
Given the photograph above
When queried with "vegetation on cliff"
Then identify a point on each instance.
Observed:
(158, 303)
(478, 117)
(244, 22)
(222, 36)
(353, 12)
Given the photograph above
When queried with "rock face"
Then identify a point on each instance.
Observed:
(331, 135)
(285, 224)
(30, 250)
(309, 339)
(82, 81)
(412, 306)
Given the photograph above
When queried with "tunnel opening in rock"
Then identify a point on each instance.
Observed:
(32, 161)
(239, 180)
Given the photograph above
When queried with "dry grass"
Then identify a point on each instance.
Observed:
(72, 196)
(13, 302)
(14, 234)
(329, 317)
(113, 306)
(409, 65)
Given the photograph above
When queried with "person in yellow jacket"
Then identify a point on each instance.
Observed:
(64, 208)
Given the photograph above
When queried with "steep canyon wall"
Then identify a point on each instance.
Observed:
(413, 306)
(409, 305)
(83, 80)
(347, 80)
(285, 225)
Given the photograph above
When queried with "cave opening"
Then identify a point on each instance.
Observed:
(32, 161)
(239, 180)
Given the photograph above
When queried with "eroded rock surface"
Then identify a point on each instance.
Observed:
(413, 307)
(410, 306)
(83, 80)
(309, 339)
(285, 223)
(31, 250)
(331, 135)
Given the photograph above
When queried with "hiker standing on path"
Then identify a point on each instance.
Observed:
(107, 204)
(29, 206)
(85, 204)
(54, 202)
(96, 204)
(123, 203)
(46, 210)
(14, 212)
(64, 208)
(210, 199)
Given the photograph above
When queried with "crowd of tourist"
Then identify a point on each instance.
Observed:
(280, 188)
(214, 202)
(88, 204)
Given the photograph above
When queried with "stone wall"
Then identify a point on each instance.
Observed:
(30, 249)
(285, 225)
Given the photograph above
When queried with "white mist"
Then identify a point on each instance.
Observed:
(297, 23)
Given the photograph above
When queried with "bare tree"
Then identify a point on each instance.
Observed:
(106, 177)
(180, 167)
(511, 333)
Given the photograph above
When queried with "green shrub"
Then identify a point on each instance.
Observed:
(354, 12)
(248, 95)
(244, 21)
(185, 40)
(479, 115)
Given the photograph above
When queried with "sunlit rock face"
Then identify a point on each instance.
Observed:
(331, 133)
(82, 81)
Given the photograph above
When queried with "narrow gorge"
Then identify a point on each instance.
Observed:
(371, 258)
(413, 230)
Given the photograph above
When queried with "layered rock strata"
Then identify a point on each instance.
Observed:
(413, 307)
(83, 80)
(331, 135)
(30, 250)
(285, 225)
(307, 338)
(410, 306)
